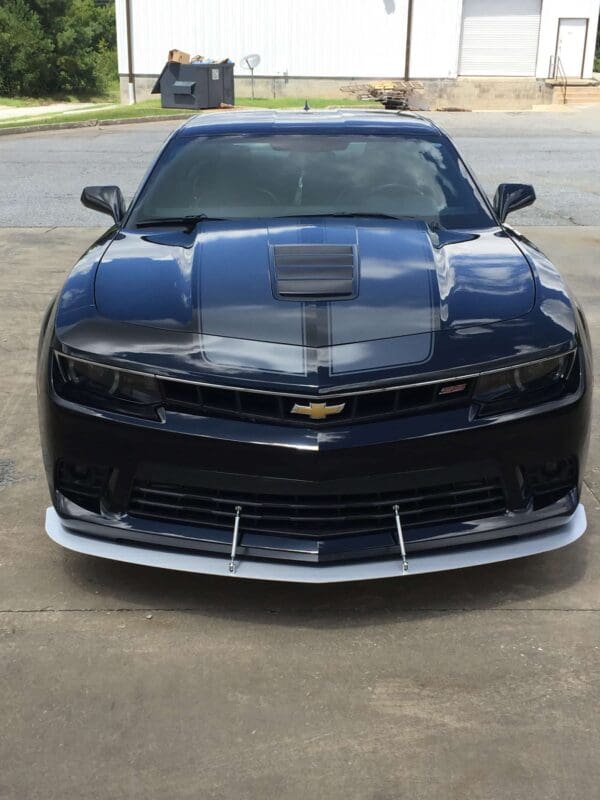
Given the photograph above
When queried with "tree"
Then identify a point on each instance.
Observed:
(49, 12)
(56, 46)
(86, 34)
(25, 51)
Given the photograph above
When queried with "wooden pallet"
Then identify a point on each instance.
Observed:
(392, 94)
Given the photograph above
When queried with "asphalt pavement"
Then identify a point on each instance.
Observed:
(125, 682)
(559, 152)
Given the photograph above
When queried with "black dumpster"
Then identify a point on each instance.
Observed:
(195, 85)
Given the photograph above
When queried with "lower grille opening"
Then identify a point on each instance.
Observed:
(549, 482)
(319, 515)
(82, 483)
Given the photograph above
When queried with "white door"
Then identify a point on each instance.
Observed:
(570, 48)
(500, 38)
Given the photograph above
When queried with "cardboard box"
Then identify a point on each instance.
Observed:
(179, 55)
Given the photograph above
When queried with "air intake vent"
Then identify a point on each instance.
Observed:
(324, 516)
(315, 272)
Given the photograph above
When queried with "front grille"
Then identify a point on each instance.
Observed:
(319, 515)
(273, 408)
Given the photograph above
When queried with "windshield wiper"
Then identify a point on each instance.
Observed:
(191, 220)
(187, 221)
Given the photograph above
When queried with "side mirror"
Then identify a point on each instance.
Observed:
(512, 197)
(106, 199)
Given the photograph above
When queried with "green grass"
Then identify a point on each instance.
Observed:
(152, 108)
(148, 108)
(110, 96)
(19, 102)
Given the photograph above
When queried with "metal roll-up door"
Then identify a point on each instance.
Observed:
(500, 37)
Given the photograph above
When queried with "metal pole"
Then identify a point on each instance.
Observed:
(400, 538)
(130, 78)
(234, 542)
(409, 23)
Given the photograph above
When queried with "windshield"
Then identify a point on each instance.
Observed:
(253, 176)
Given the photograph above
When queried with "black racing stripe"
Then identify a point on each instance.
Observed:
(317, 340)
(317, 328)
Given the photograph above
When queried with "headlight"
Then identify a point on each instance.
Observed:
(541, 375)
(103, 387)
(521, 386)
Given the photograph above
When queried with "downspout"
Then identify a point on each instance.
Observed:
(130, 76)
(409, 24)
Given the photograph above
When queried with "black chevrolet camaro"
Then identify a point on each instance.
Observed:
(311, 350)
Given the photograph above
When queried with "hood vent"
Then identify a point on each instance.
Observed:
(315, 271)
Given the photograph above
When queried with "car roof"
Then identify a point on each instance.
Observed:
(321, 121)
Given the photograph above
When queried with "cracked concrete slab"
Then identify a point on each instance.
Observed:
(379, 705)
(120, 681)
(7, 472)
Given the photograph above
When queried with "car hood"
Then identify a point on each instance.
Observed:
(423, 304)
(221, 280)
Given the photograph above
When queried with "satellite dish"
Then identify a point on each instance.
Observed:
(251, 62)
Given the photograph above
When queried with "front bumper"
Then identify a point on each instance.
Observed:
(262, 466)
(517, 546)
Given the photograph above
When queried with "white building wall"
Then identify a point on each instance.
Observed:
(323, 38)
(552, 11)
(435, 38)
(311, 38)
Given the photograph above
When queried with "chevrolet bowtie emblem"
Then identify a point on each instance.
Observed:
(318, 410)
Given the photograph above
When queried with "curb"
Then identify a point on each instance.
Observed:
(91, 123)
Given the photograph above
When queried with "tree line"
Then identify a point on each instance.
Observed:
(53, 47)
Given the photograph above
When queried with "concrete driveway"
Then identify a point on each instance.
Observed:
(123, 682)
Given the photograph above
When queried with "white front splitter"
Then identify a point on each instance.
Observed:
(418, 564)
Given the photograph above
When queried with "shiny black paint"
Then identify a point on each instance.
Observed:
(469, 305)
(240, 456)
(512, 197)
(106, 199)
(219, 286)
(199, 305)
